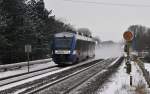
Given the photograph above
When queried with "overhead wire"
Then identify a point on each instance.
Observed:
(108, 3)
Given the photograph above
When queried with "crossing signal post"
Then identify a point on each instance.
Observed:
(128, 36)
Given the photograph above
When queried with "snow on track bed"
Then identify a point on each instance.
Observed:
(42, 79)
(25, 69)
(147, 66)
(71, 81)
(120, 82)
(93, 83)
(16, 78)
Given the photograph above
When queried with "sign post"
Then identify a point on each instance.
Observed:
(28, 50)
(128, 36)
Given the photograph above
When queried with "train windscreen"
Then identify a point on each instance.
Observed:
(63, 43)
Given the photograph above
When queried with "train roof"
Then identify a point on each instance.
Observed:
(77, 35)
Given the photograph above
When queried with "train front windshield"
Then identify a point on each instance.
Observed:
(62, 43)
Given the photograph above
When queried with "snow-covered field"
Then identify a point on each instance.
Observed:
(25, 69)
(119, 83)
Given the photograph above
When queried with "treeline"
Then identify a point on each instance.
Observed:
(141, 40)
(26, 22)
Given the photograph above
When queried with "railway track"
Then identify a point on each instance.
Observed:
(19, 77)
(59, 81)
(51, 76)
(62, 81)
(67, 83)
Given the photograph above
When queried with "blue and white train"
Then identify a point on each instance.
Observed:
(70, 48)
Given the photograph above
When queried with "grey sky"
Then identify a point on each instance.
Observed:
(107, 22)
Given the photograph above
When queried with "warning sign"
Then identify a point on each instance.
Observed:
(128, 36)
(28, 48)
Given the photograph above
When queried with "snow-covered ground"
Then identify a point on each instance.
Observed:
(31, 79)
(119, 83)
(147, 66)
(25, 69)
(108, 51)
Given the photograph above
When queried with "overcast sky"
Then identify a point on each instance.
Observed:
(106, 21)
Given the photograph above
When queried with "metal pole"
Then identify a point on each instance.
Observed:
(28, 57)
(130, 80)
(128, 52)
(128, 60)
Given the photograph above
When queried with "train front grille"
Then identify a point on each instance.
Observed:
(62, 57)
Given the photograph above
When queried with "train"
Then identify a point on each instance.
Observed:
(69, 48)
